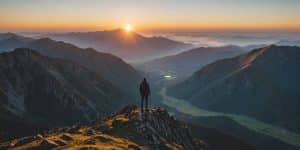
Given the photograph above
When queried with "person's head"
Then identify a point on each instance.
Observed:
(144, 80)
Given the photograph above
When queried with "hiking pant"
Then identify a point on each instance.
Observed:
(144, 98)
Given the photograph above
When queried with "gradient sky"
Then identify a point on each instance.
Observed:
(149, 15)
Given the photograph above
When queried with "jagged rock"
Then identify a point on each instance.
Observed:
(103, 128)
(47, 144)
(89, 132)
(24, 140)
(74, 130)
(160, 125)
(91, 141)
(60, 143)
(102, 138)
(66, 137)
(133, 147)
(40, 136)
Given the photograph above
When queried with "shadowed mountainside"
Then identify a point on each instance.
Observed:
(45, 92)
(262, 83)
(108, 66)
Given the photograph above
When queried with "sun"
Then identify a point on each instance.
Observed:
(128, 28)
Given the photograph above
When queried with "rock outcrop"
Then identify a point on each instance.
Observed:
(127, 129)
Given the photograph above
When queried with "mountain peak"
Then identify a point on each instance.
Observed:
(46, 40)
(127, 129)
(8, 34)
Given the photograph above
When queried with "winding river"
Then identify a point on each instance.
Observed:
(185, 107)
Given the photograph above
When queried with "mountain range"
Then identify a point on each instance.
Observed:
(110, 67)
(182, 65)
(262, 84)
(130, 46)
(49, 84)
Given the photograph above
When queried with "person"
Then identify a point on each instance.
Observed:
(145, 92)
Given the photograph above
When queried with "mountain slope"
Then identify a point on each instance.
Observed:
(110, 67)
(262, 83)
(123, 130)
(127, 45)
(185, 63)
(53, 92)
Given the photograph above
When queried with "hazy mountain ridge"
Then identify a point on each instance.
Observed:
(130, 46)
(110, 67)
(262, 83)
(184, 64)
(10, 41)
(289, 43)
(53, 92)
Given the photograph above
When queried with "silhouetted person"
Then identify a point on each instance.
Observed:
(145, 92)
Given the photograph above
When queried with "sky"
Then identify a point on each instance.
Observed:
(149, 15)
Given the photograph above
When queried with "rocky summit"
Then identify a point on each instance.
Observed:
(127, 129)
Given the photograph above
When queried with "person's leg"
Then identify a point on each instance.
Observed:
(142, 103)
(146, 98)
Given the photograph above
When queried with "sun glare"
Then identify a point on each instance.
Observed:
(128, 27)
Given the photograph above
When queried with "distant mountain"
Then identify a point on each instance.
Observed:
(263, 83)
(184, 64)
(289, 43)
(10, 41)
(38, 90)
(108, 66)
(127, 45)
(123, 130)
(8, 35)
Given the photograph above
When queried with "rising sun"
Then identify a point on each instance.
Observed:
(128, 28)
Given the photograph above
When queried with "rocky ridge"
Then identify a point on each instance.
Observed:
(127, 129)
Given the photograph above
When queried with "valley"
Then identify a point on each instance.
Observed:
(185, 107)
